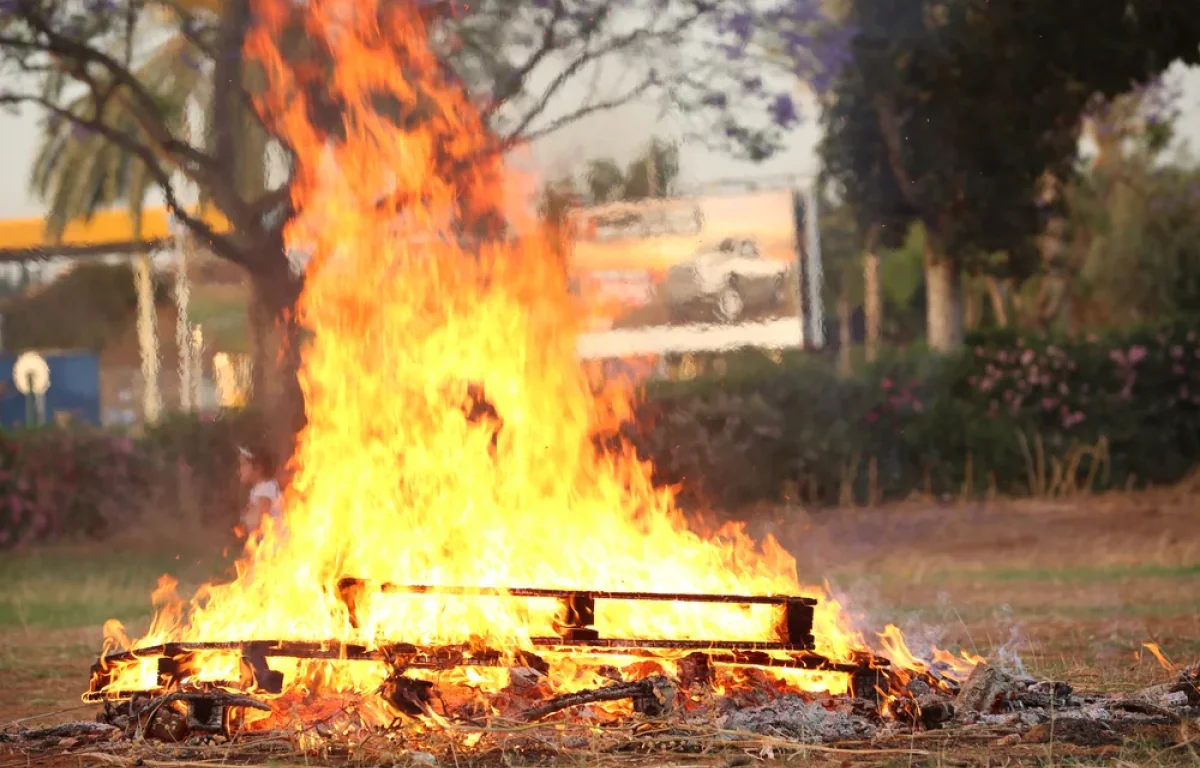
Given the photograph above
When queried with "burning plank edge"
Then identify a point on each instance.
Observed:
(868, 673)
(579, 610)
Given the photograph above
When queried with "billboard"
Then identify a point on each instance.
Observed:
(688, 275)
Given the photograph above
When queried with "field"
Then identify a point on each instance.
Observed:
(1072, 587)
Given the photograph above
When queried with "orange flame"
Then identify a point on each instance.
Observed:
(413, 323)
(1161, 657)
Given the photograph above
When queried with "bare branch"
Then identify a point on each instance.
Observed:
(579, 114)
(619, 43)
(219, 243)
(516, 80)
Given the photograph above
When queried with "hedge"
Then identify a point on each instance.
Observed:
(1008, 414)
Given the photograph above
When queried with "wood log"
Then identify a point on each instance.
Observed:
(641, 688)
(64, 730)
(984, 691)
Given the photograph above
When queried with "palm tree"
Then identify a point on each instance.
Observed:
(76, 173)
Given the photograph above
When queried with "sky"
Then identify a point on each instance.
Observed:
(620, 134)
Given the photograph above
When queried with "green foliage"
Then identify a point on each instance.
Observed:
(56, 483)
(201, 457)
(993, 417)
(84, 309)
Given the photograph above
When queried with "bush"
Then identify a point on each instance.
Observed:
(200, 460)
(65, 483)
(1009, 413)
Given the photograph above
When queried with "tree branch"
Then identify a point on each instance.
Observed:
(516, 79)
(219, 243)
(578, 114)
(621, 42)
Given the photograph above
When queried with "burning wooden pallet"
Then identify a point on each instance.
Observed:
(212, 707)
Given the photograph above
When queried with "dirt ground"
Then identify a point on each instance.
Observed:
(1070, 588)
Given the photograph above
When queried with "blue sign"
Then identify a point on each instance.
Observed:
(74, 389)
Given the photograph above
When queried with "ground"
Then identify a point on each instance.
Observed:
(1073, 587)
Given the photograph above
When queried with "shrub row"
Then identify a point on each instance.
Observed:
(1008, 414)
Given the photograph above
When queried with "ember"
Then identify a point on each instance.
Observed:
(557, 574)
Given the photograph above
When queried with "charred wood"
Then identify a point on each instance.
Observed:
(407, 695)
(929, 711)
(65, 730)
(641, 689)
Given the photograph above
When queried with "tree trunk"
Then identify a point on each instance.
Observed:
(872, 303)
(845, 337)
(275, 340)
(183, 331)
(972, 305)
(999, 302)
(147, 326)
(943, 299)
(147, 333)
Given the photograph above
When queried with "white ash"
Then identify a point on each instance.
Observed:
(793, 717)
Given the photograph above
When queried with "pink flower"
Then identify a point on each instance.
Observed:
(1073, 419)
(872, 417)
(886, 384)
(1117, 356)
(1063, 389)
(1027, 357)
(979, 352)
(1177, 351)
(1137, 353)
(1048, 403)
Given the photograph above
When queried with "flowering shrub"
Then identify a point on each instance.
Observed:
(944, 426)
(68, 483)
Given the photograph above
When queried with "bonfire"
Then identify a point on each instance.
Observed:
(469, 548)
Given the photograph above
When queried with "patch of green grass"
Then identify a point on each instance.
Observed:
(222, 315)
(1091, 574)
(63, 588)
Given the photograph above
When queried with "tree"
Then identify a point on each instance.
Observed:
(855, 165)
(1132, 242)
(692, 54)
(841, 252)
(654, 173)
(77, 171)
(966, 138)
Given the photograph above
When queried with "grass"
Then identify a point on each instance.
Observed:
(221, 311)
(1073, 587)
(82, 586)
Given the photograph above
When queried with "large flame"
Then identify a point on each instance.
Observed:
(403, 474)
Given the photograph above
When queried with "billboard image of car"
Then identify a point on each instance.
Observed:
(688, 275)
(726, 281)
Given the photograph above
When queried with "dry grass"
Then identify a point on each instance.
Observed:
(1074, 586)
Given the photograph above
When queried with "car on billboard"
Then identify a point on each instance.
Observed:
(727, 280)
